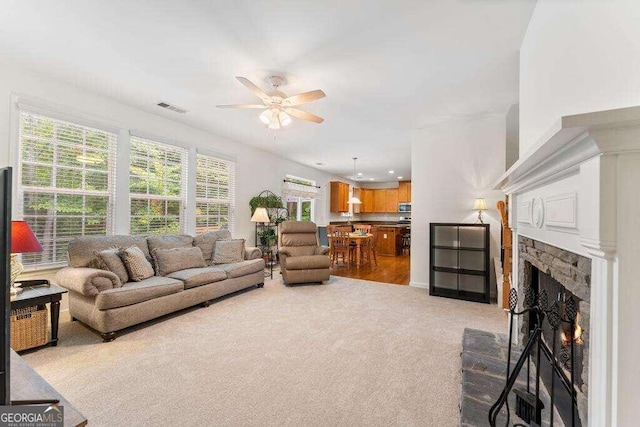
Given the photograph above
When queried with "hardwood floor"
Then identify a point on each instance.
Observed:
(390, 269)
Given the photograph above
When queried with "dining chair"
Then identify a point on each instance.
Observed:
(340, 247)
(369, 247)
(362, 227)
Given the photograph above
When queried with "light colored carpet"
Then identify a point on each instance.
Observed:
(349, 352)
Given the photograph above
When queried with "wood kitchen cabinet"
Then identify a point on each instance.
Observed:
(391, 200)
(379, 200)
(367, 200)
(404, 192)
(339, 196)
(390, 240)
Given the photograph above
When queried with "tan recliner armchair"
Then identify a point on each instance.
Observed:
(302, 259)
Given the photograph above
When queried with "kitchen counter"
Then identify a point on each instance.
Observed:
(376, 223)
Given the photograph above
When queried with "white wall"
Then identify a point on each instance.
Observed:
(256, 170)
(452, 164)
(577, 57)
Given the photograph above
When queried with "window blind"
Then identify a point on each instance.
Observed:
(157, 187)
(66, 184)
(215, 194)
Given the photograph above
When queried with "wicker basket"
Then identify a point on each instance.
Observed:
(29, 327)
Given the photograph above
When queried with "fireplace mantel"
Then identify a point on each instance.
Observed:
(571, 141)
(578, 189)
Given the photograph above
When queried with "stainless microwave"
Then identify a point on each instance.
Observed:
(404, 207)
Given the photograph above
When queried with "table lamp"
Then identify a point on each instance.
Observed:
(480, 205)
(260, 215)
(22, 241)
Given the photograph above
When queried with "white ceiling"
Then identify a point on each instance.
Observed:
(387, 67)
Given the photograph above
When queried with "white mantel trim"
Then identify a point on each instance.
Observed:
(571, 141)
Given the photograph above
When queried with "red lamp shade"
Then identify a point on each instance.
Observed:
(22, 238)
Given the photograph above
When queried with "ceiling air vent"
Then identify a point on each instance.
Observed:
(171, 107)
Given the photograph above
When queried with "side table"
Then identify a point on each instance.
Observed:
(40, 292)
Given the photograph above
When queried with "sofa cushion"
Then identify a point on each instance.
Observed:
(207, 241)
(228, 251)
(137, 265)
(135, 292)
(169, 260)
(193, 277)
(113, 262)
(169, 241)
(243, 268)
(81, 250)
(307, 262)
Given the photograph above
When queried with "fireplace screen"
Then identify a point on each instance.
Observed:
(550, 314)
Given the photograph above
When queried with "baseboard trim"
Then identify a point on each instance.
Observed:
(419, 285)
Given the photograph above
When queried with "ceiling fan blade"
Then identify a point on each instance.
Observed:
(242, 106)
(303, 98)
(255, 89)
(303, 115)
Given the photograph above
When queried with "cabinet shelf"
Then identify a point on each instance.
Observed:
(459, 261)
(459, 248)
(459, 270)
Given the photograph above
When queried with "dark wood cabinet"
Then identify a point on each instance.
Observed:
(459, 261)
(339, 196)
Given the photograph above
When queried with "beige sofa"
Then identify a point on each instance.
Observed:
(98, 298)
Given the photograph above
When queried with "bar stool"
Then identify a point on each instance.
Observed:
(406, 242)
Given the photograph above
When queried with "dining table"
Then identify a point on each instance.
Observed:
(358, 238)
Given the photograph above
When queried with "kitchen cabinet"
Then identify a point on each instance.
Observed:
(339, 196)
(367, 200)
(391, 200)
(390, 240)
(379, 200)
(404, 192)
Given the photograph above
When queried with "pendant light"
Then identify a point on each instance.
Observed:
(354, 200)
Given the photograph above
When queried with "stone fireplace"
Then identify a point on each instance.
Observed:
(560, 274)
(575, 215)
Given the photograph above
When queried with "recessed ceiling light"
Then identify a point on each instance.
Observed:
(399, 177)
(370, 179)
(359, 173)
(390, 171)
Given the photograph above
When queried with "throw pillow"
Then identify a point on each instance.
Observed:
(138, 267)
(171, 260)
(207, 241)
(112, 261)
(228, 251)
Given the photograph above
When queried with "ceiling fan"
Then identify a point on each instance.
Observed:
(277, 105)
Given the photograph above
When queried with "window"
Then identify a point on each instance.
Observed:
(157, 187)
(215, 194)
(300, 209)
(66, 184)
(299, 194)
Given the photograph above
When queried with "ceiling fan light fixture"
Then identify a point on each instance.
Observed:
(285, 119)
(274, 124)
(264, 117)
